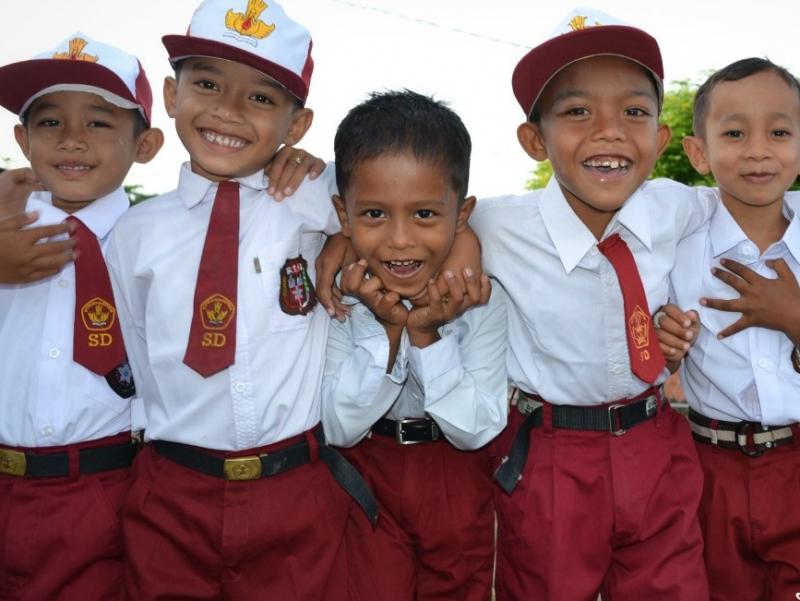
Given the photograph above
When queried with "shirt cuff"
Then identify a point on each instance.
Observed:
(435, 360)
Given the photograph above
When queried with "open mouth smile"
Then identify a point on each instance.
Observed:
(219, 139)
(607, 165)
(403, 269)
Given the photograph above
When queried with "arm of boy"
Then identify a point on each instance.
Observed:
(334, 256)
(676, 332)
(763, 302)
(15, 187)
(288, 168)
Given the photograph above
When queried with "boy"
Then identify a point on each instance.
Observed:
(235, 496)
(742, 382)
(65, 437)
(607, 497)
(414, 386)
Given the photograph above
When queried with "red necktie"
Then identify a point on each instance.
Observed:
(212, 338)
(97, 340)
(647, 362)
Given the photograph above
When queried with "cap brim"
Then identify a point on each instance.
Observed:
(542, 63)
(20, 81)
(181, 47)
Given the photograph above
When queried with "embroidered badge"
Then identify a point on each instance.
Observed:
(217, 311)
(120, 379)
(248, 23)
(579, 22)
(75, 53)
(98, 315)
(297, 296)
(638, 327)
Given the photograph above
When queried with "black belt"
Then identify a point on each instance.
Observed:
(751, 438)
(615, 419)
(90, 461)
(271, 464)
(410, 430)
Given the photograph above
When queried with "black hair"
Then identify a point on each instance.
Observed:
(397, 121)
(734, 72)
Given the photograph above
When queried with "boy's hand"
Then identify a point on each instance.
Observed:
(15, 187)
(334, 256)
(424, 321)
(676, 332)
(23, 258)
(763, 302)
(464, 254)
(384, 304)
(288, 168)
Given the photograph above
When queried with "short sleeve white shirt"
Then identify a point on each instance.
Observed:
(46, 399)
(272, 391)
(566, 319)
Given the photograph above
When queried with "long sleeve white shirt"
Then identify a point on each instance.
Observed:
(46, 399)
(747, 376)
(459, 381)
(566, 335)
(272, 391)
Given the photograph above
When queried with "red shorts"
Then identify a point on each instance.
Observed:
(60, 537)
(594, 511)
(750, 515)
(435, 536)
(189, 535)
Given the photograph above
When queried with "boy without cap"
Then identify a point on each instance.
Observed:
(236, 494)
(65, 435)
(741, 375)
(601, 484)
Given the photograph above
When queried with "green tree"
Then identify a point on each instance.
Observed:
(677, 113)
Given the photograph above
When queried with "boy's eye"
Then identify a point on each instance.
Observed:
(262, 99)
(781, 133)
(206, 84)
(733, 133)
(99, 124)
(374, 213)
(49, 123)
(636, 112)
(425, 213)
(577, 111)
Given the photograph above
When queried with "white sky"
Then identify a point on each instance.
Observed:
(460, 51)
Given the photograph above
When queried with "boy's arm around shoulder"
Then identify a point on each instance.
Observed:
(463, 375)
(356, 390)
(312, 203)
(687, 207)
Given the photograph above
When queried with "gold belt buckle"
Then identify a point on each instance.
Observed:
(242, 468)
(12, 462)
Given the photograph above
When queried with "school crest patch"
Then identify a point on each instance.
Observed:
(248, 24)
(120, 379)
(297, 295)
(638, 327)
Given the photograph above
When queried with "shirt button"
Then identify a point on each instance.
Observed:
(54, 353)
(47, 431)
(239, 387)
(763, 363)
(747, 251)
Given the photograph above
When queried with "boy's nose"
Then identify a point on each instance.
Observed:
(399, 237)
(72, 138)
(608, 127)
(228, 108)
(758, 147)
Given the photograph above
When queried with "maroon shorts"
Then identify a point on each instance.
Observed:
(60, 537)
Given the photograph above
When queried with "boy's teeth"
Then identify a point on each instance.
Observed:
(228, 141)
(74, 167)
(608, 163)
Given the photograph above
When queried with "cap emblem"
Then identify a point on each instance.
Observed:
(579, 22)
(75, 53)
(248, 23)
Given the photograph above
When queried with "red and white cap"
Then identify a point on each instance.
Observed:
(584, 33)
(77, 64)
(255, 33)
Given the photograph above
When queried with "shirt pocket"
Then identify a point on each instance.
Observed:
(288, 278)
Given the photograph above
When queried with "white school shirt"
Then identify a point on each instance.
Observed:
(272, 390)
(459, 380)
(46, 399)
(747, 376)
(566, 331)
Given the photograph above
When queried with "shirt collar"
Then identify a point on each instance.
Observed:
(723, 230)
(99, 216)
(193, 188)
(570, 236)
(791, 236)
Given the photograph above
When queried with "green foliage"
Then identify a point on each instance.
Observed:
(135, 193)
(677, 113)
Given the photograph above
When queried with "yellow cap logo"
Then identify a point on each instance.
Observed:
(75, 53)
(248, 23)
(579, 22)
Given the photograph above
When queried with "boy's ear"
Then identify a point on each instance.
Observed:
(464, 212)
(695, 149)
(170, 95)
(664, 134)
(21, 134)
(148, 144)
(341, 212)
(531, 139)
(301, 121)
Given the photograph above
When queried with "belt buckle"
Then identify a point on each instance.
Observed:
(398, 431)
(614, 420)
(12, 462)
(242, 468)
(746, 429)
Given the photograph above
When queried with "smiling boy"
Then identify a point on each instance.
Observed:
(414, 380)
(65, 436)
(741, 375)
